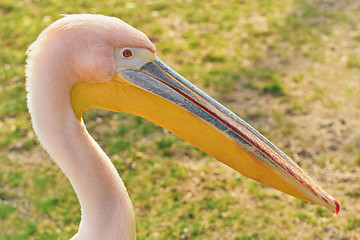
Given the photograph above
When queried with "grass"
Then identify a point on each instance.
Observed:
(288, 67)
(357, 159)
(6, 210)
(353, 62)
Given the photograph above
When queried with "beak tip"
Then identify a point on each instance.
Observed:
(337, 207)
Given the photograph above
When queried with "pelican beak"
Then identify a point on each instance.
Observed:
(161, 95)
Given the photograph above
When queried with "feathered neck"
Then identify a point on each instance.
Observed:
(106, 208)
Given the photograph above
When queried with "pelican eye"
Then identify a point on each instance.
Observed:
(127, 53)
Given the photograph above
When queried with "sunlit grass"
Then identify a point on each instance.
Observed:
(261, 57)
(353, 62)
(6, 210)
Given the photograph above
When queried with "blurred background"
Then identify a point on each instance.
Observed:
(291, 68)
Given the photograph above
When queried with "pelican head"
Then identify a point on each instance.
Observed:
(102, 62)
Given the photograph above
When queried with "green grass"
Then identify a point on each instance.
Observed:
(357, 159)
(6, 210)
(288, 67)
(353, 62)
(353, 222)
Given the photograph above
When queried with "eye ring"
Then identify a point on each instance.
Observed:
(127, 53)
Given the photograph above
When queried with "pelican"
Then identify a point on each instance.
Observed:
(86, 61)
